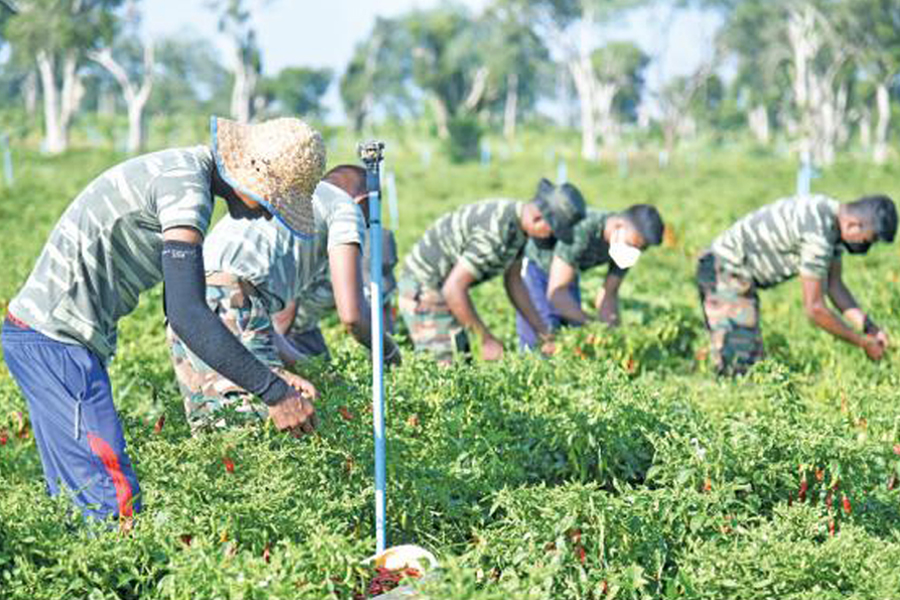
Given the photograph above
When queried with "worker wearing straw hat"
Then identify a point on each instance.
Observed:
(139, 223)
(257, 270)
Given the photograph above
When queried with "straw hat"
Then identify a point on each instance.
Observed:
(278, 163)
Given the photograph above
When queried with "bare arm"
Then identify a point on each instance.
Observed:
(608, 306)
(352, 308)
(562, 275)
(520, 298)
(827, 319)
(456, 292)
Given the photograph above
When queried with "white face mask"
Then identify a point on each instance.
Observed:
(623, 255)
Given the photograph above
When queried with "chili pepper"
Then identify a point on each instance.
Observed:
(3, 437)
(267, 554)
(229, 464)
(801, 495)
(159, 424)
(831, 527)
(345, 412)
(847, 507)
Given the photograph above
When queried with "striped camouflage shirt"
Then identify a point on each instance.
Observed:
(588, 248)
(107, 247)
(485, 237)
(280, 265)
(798, 235)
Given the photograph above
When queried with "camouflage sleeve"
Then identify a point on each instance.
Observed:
(816, 255)
(345, 224)
(816, 249)
(183, 199)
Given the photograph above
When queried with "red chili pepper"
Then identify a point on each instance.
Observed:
(3, 437)
(820, 474)
(229, 464)
(801, 495)
(580, 553)
(267, 554)
(831, 528)
(847, 507)
(186, 539)
(707, 485)
(345, 412)
(159, 424)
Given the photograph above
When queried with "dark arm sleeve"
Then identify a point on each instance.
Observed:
(203, 332)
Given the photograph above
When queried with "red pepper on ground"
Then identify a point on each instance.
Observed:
(801, 495)
(229, 464)
(157, 428)
(847, 507)
(345, 412)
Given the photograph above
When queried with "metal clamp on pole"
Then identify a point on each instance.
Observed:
(372, 153)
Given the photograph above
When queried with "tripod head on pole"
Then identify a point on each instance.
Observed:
(371, 154)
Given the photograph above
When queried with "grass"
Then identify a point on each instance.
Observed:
(619, 468)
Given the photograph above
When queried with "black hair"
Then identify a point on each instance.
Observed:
(350, 178)
(647, 221)
(880, 214)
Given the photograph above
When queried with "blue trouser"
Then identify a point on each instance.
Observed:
(536, 280)
(77, 430)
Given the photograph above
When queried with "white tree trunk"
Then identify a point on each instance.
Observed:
(865, 130)
(441, 117)
(30, 92)
(583, 73)
(55, 138)
(604, 95)
(883, 101)
(511, 108)
(135, 97)
(245, 78)
(758, 121)
(479, 85)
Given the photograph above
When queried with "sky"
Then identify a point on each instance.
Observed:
(317, 33)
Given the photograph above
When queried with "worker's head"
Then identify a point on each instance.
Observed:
(352, 180)
(866, 221)
(632, 231)
(268, 168)
(553, 213)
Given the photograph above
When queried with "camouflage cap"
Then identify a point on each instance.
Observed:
(277, 163)
(562, 206)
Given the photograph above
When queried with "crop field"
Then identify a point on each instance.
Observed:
(619, 468)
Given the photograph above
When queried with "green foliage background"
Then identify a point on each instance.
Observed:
(619, 468)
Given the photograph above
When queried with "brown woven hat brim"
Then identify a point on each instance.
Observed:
(292, 206)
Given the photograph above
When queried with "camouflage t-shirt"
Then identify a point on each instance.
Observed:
(279, 264)
(587, 250)
(107, 247)
(792, 236)
(485, 237)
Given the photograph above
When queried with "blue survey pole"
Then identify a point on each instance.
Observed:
(372, 153)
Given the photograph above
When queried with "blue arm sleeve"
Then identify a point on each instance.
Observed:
(203, 332)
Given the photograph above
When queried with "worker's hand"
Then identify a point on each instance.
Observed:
(882, 337)
(548, 346)
(294, 413)
(491, 348)
(300, 384)
(873, 347)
